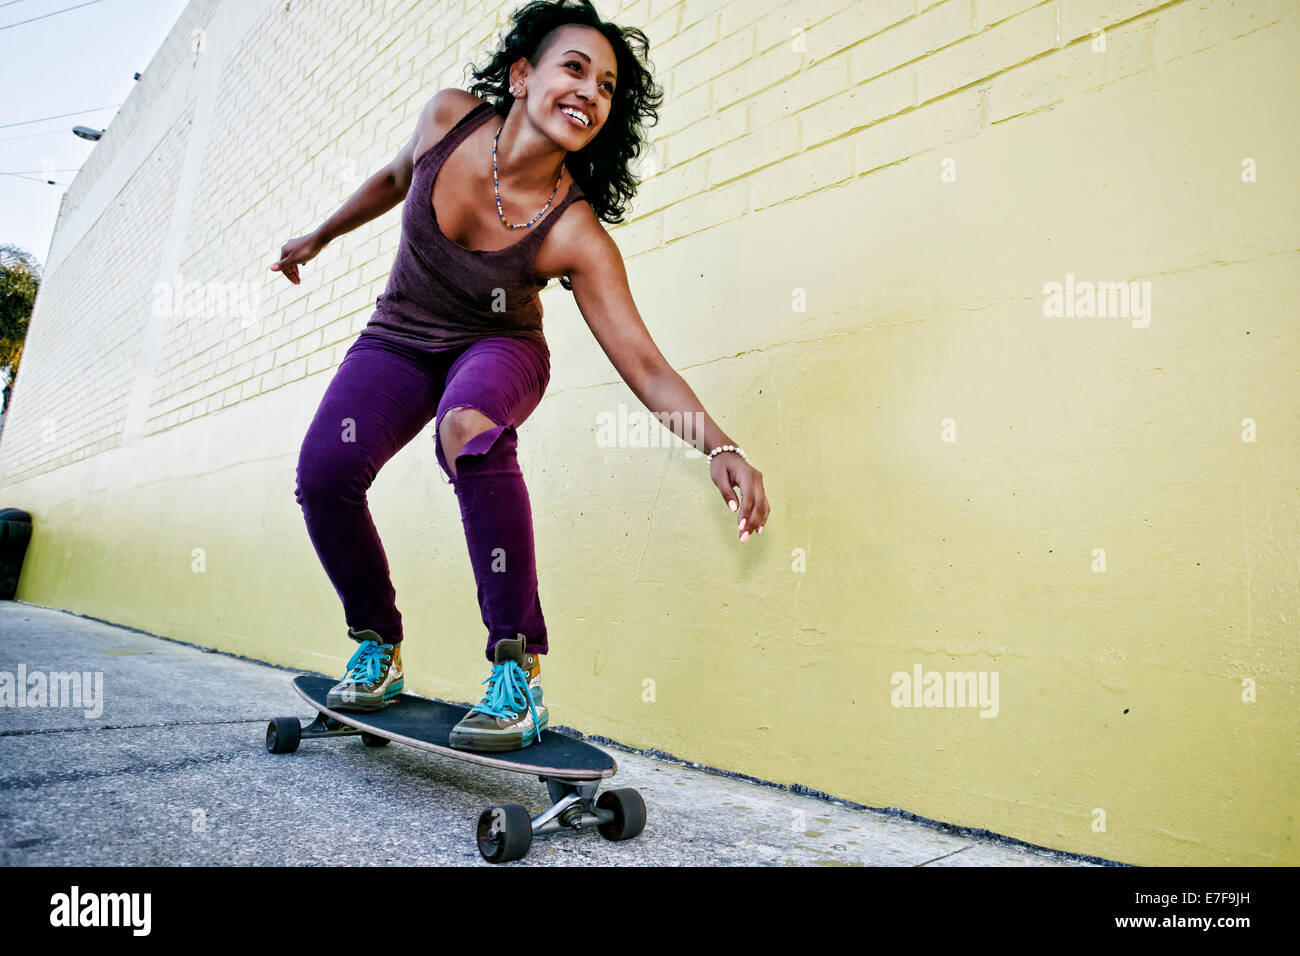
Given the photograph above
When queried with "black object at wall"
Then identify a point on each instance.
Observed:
(15, 533)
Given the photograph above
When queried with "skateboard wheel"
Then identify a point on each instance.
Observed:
(629, 814)
(373, 740)
(504, 833)
(283, 735)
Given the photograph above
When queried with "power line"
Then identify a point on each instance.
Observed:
(44, 16)
(48, 132)
(51, 132)
(60, 116)
(31, 179)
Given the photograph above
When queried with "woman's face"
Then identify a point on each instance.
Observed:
(578, 71)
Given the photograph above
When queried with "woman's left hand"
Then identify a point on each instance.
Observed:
(728, 471)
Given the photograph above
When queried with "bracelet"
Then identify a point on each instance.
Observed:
(726, 448)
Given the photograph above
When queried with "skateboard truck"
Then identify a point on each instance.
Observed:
(326, 726)
(573, 809)
(506, 832)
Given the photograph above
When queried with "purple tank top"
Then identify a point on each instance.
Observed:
(441, 295)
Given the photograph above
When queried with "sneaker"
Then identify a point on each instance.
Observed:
(511, 714)
(374, 675)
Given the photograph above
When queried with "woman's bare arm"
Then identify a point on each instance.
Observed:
(378, 194)
(601, 290)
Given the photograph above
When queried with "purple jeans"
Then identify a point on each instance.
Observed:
(382, 395)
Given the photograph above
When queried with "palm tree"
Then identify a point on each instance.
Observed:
(20, 277)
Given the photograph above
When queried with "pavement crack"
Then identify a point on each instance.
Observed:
(35, 781)
(171, 723)
(944, 857)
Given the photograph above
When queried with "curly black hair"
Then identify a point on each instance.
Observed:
(600, 167)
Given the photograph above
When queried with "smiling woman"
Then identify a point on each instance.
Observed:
(593, 66)
(456, 338)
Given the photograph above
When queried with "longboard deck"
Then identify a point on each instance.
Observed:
(426, 724)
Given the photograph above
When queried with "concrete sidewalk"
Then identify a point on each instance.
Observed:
(165, 777)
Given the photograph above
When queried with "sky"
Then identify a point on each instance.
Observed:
(71, 62)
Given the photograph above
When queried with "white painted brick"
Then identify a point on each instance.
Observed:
(690, 41)
(1001, 47)
(712, 61)
(1070, 72)
(854, 24)
(634, 238)
(991, 12)
(765, 146)
(800, 175)
(720, 128)
(672, 185)
(739, 14)
(1079, 18)
(691, 106)
(940, 26)
(817, 84)
(717, 206)
(951, 119)
(784, 23)
(859, 106)
(320, 360)
(760, 72)
(1191, 28)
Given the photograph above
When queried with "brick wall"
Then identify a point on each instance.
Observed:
(915, 173)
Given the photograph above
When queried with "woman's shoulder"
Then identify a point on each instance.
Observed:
(577, 237)
(446, 109)
(452, 105)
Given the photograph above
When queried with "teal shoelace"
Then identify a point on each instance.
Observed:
(507, 691)
(367, 664)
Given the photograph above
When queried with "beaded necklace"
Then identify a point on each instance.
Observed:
(497, 190)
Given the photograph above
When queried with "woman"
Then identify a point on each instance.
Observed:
(457, 337)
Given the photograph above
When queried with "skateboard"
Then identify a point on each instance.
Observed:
(571, 769)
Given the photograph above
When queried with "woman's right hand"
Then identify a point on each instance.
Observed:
(295, 252)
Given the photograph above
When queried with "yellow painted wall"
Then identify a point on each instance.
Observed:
(843, 245)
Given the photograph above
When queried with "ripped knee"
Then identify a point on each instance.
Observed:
(467, 431)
